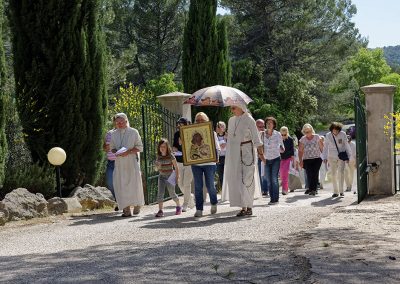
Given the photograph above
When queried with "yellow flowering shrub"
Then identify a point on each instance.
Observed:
(129, 100)
(388, 127)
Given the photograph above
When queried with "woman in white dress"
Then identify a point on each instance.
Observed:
(126, 143)
(241, 179)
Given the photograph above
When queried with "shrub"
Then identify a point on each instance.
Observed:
(35, 178)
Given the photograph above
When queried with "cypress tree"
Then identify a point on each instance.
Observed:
(205, 58)
(60, 82)
(3, 141)
(224, 69)
(200, 56)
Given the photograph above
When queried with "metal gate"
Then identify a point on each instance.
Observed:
(361, 146)
(157, 122)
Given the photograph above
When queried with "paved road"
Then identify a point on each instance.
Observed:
(106, 248)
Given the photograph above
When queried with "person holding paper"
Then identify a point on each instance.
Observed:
(166, 164)
(110, 159)
(126, 143)
(185, 172)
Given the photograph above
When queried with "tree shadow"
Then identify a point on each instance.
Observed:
(347, 255)
(211, 261)
(190, 261)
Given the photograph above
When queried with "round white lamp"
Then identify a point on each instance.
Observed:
(57, 157)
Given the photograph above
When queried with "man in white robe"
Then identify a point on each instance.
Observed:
(241, 179)
(127, 180)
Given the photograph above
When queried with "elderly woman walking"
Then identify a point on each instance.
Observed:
(287, 158)
(241, 176)
(335, 143)
(126, 144)
(310, 148)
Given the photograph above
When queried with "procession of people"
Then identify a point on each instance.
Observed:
(250, 159)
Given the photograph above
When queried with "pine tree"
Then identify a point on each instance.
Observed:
(60, 82)
(3, 141)
(205, 59)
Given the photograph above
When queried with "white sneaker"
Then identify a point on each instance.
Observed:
(214, 209)
(199, 213)
(184, 208)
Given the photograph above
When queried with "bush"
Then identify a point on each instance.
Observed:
(35, 178)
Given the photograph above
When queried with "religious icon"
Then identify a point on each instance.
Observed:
(198, 145)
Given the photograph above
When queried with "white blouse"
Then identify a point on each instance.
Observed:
(272, 144)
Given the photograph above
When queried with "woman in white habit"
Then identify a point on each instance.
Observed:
(241, 181)
(127, 180)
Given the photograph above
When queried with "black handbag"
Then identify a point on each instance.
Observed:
(342, 155)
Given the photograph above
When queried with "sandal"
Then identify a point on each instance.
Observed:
(249, 212)
(241, 213)
(160, 213)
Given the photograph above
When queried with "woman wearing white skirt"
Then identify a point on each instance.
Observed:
(126, 144)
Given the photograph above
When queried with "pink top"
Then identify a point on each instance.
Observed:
(110, 155)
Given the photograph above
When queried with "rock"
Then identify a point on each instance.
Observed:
(73, 205)
(3, 218)
(58, 206)
(21, 204)
(91, 197)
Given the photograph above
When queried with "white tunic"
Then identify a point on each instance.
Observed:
(241, 180)
(127, 178)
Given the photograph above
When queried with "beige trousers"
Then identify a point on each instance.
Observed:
(349, 173)
(185, 184)
(337, 171)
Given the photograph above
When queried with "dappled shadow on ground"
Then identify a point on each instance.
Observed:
(346, 255)
(340, 254)
(192, 261)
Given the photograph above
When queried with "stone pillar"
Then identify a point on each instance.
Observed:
(174, 103)
(380, 150)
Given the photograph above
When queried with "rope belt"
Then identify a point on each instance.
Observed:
(246, 165)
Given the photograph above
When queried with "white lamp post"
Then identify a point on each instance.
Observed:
(56, 157)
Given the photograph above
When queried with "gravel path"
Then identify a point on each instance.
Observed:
(105, 248)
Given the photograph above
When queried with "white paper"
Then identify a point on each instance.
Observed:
(262, 168)
(120, 151)
(172, 178)
(177, 153)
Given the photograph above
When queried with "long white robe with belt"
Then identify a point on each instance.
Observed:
(127, 178)
(241, 180)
